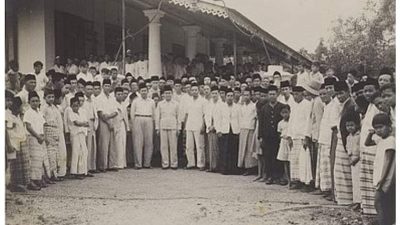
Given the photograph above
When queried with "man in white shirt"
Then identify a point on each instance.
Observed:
(30, 85)
(194, 114)
(106, 111)
(285, 96)
(90, 108)
(168, 126)
(143, 66)
(57, 65)
(228, 129)
(142, 116)
(105, 74)
(211, 113)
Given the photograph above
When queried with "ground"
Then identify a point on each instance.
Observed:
(166, 197)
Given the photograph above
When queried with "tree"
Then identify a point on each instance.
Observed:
(365, 43)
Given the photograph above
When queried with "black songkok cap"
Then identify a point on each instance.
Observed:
(214, 88)
(297, 89)
(371, 81)
(167, 88)
(32, 94)
(106, 81)
(341, 86)
(329, 81)
(285, 83)
(142, 85)
(96, 84)
(118, 89)
(30, 77)
(79, 94)
(272, 88)
(263, 90)
(357, 87)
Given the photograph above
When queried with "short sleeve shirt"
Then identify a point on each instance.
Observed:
(35, 119)
(381, 148)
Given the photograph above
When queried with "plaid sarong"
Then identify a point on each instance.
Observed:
(20, 167)
(52, 135)
(37, 153)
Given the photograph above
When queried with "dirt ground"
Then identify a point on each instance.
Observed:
(166, 197)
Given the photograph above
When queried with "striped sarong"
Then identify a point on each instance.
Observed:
(255, 144)
(342, 176)
(294, 159)
(213, 150)
(52, 135)
(246, 159)
(20, 167)
(323, 175)
(37, 153)
(366, 179)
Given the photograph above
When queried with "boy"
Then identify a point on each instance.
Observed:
(167, 126)
(51, 131)
(353, 150)
(78, 123)
(90, 108)
(388, 93)
(34, 122)
(384, 168)
(62, 148)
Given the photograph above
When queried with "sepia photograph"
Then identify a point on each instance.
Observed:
(203, 112)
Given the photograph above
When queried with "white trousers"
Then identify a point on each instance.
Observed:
(195, 140)
(79, 156)
(169, 149)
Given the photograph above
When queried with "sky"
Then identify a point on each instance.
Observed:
(298, 23)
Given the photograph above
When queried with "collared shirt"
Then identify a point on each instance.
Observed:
(283, 128)
(330, 118)
(16, 130)
(73, 69)
(36, 119)
(86, 77)
(122, 116)
(105, 104)
(41, 81)
(24, 95)
(167, 113)
(382, 146)
(195, 110)
(366, 123)
(269, 119)
(143, 107)
(183, 103)
(78, 117)
(228, 119)
(211, 112)
(50, 114)
(289, 101)
(59, 69)
(300, 119)
(247, 116)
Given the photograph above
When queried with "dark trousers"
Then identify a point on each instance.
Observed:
(385, 205)
(229, 150)
(182, 161)
(273, 167)
(314, 156)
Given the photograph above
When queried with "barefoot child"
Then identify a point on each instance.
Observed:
(284, 147)
(384, 168)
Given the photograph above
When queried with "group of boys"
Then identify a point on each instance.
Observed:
(322, 135)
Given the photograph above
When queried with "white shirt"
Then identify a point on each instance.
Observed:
(228, 118)
(366, 124)
(183, 102)
(86, 77)
(142, 68)
(130, 68)
(382, 146)
(104, 65)
(105, 104)
(327, 122)
(24, 95)
(143, 107)
(195, 110)
(36, 119)
(166, 115)
(41, 81)
(300, 120)
(288, 102)
(211, 112)
(247, 116)
(79, 117)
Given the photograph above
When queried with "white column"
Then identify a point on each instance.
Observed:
(36, 34)
(191, 33)
(219, 50)
(154, 16)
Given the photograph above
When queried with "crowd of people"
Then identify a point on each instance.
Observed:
(315, 133)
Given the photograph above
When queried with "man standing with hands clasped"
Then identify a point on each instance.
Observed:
(167, 126)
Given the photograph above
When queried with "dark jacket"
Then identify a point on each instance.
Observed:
(269, 119)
